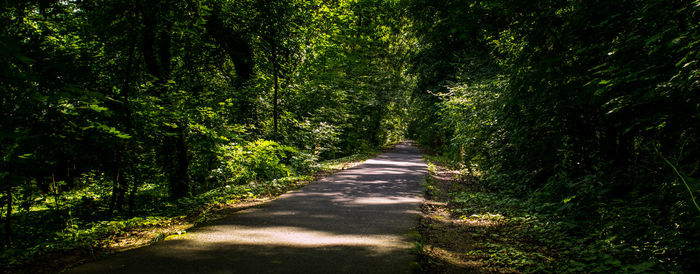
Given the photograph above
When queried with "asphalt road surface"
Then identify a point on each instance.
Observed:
(355, 221)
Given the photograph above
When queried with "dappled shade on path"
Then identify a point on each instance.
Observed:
(354, 222)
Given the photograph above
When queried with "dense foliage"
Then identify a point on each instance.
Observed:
(583, 114)
(587, 110)
(112, 109)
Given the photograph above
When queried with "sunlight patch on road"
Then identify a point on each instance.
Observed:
(392, 163)
(385, 200)
(299, 237)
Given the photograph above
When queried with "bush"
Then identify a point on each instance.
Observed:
(260, 160)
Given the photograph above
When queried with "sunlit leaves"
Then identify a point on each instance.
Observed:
(592, 87)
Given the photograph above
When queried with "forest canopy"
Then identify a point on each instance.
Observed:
(110, 109)
(588, 111)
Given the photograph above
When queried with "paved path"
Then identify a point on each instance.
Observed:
(352, 222)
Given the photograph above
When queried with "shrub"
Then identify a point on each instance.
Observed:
(260, 160)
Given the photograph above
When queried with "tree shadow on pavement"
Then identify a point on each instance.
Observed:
(353, 222)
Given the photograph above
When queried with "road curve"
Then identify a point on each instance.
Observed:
(352, 222)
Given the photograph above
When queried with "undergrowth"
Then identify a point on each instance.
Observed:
(79, 232)
(500, 232)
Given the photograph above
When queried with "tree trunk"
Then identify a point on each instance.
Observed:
(122, 189)
(128, 120)
(115, 193)
(275, 75)
(179, 175)
(134, 188)
(8, 217)
(173, 153)
(147, 44)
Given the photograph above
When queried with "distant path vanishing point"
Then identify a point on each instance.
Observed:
(355, 221)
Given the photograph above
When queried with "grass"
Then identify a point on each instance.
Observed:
(465, 228)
